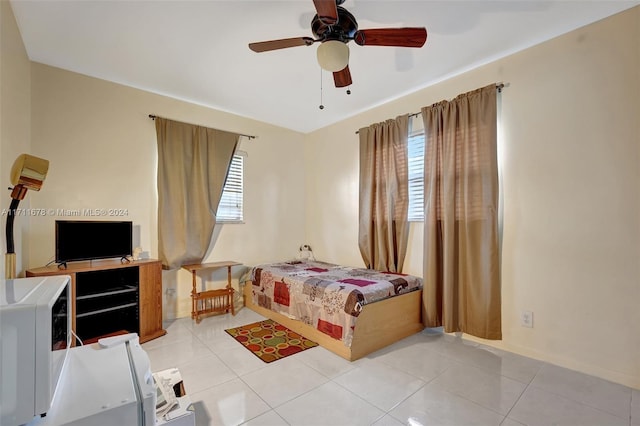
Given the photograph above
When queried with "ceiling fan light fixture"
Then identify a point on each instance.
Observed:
(333, 55)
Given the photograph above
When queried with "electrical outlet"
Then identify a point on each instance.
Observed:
(526, 319)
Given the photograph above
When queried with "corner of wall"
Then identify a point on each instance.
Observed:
(15, 119)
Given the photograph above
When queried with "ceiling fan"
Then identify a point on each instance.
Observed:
(334, 27)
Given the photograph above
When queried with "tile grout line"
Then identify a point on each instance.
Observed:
(586, 404)
(355, 394)
(522, 393)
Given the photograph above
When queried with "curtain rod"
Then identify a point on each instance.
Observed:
(153, 117)
(499, 86)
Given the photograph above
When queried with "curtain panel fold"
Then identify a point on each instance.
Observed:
(462, 288)
(384, 195)
(193, 162)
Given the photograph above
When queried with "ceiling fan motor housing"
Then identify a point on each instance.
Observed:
(343, 30)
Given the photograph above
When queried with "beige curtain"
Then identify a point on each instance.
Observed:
(192, 167)
(461, 265)
(384, 194)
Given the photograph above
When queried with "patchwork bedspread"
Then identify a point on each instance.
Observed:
(326, 296)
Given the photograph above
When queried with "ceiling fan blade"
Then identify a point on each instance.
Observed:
(327, 11)
(342, 78)
(265, 46)
(400, 37)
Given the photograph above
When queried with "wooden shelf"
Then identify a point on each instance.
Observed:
(102, 311)
(128, 289)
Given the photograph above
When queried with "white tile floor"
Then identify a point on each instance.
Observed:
(426, 379)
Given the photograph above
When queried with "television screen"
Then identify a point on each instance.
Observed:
(85, 240)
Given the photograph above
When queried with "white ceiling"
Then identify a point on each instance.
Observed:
(197, 50)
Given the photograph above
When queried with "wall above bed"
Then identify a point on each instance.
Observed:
(570, 193)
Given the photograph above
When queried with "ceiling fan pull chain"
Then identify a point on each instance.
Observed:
(321, 105)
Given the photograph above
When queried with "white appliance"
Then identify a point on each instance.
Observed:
(105, 383)
(35, 336)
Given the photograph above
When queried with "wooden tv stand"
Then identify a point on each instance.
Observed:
(108, 296)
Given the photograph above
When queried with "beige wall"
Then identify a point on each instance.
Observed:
(570, 156)
(570, 176)
(15, 126)
(102, 148)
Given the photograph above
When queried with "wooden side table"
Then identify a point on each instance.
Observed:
(211, 301)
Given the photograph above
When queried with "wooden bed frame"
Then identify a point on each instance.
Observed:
(379, 324)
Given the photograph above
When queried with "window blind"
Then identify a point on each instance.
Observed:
(415, 147)
(230, 208)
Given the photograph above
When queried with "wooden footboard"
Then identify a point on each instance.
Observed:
(379, 324)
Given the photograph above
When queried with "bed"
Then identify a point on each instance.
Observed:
(349, 311)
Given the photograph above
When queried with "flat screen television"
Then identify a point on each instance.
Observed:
(87, 240)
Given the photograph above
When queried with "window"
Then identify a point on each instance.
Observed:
(416, 176)
(230, 209)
